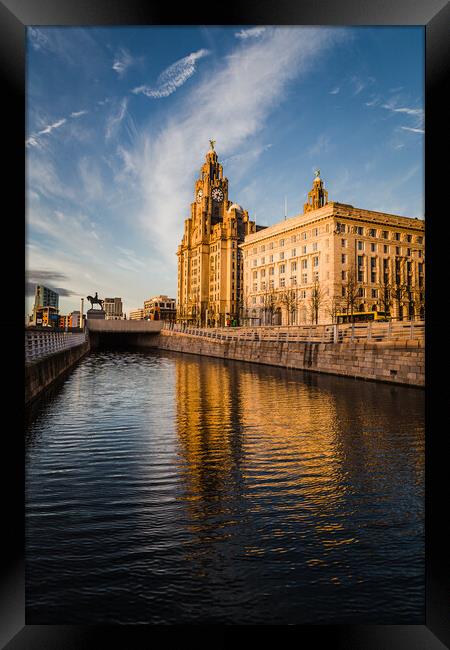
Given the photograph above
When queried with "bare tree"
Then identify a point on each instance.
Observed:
(315, 301)
(246, 308)
(269, 304)
(333, 307)
(351, 292)
(416, 301)
(302, 310)
(400, 286)
(288, 299)
(385, 295)
(420, 289)
(420, 302)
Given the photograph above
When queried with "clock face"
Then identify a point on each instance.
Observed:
(199, 196)
(217, 194)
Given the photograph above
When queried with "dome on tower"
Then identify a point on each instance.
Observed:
(235, 206)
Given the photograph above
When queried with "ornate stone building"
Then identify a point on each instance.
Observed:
(332, 259)
(209, 258)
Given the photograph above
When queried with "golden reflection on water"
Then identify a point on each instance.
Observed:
(234, 490)
(253, 436)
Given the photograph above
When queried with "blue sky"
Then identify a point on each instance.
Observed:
(119, 121)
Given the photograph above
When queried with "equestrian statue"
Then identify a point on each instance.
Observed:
(95, 301)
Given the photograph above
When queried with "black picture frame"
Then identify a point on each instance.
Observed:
(15, 16)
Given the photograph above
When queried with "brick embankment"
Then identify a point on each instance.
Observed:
(398, 362)
(43, 373)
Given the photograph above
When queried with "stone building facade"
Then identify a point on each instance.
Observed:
(210, 288)
(113, 308)
(334, 258)
(160, 308)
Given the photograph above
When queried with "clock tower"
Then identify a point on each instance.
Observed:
(209, 260)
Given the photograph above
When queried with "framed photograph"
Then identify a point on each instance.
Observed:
(272, 166)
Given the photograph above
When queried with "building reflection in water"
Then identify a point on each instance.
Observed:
(311, 469)
(174, 488)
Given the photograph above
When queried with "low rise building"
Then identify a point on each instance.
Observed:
(136, 314)
(160, 308)
(63, 321)
(75, 319)
(45, 316)
(334, 259)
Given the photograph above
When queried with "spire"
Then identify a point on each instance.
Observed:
(318, 196)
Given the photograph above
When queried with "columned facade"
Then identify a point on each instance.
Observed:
(334, 258)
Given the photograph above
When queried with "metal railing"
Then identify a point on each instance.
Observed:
(39, 344)
(331, 333)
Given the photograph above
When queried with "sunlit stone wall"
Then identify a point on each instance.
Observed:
(399, 362)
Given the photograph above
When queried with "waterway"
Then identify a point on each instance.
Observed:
(167, 488)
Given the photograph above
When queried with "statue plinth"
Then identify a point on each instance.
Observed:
(95, 314)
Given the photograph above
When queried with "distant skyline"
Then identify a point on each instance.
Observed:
(119, 121)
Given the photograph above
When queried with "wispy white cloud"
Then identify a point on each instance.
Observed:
(404, 109)
(116, 117)
(76, 46)
(173, 77)
(359, 83)
(374, 101)
(91, 179)
(51, 127)
(246, 155)
(417, 115)
(253, 32)
(129, 260)
(250, 83)
(122, 61)
(321, 145)
(81, 249)
(240, 165)
(43, 179)
(335, 90)
(72, 232)
(35, 140)
(32, 141)
(413, 130)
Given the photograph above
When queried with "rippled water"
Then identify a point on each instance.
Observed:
(170, 488)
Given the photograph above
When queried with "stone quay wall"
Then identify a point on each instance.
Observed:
(43, 373)
(393, 361)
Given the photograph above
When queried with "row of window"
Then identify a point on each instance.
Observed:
(386, 262)
(282, 242)
(281, 256)
(282, 282)
(302, 294)
(341, 228)
(282, 267)
(373, 232)
(361, 246)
